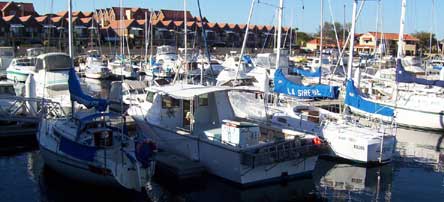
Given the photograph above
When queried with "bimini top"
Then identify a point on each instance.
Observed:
(54, 61)
(187, 92)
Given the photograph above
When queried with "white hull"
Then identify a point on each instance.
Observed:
(96, 75)
(224, 162)
(16, 76)
(410, 118)
(75, 169)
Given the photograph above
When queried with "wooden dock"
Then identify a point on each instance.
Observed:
(178, 167)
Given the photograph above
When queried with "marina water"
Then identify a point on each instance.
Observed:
(416, 174)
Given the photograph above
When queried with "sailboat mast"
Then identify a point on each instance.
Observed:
(146, 36)
(70, 48)
(244, 43)
(431, 27)
(401, 30)
(352, 41)
(279, 32)
(321, 34)
(185, 40)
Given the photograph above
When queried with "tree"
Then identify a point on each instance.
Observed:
(423, 44)
(329, 32)
(303, 38)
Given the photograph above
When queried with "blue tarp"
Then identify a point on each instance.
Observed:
(407, 77)
(247, 59)
(284, 86)
(77, 150)
(437, 67)
(306, 73)
(354, 99)
(77, 94)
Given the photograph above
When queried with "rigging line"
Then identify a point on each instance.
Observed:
(205, 39)
(267, 4)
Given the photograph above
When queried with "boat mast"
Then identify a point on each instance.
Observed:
(401, 31)
(185, 40)
(352, 41)
(70, 47)
(279, 33)
(146, 36)
(244, 43)
(431, 28)
(321, 38)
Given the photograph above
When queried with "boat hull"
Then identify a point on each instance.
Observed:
(224, 162)
(75, 169)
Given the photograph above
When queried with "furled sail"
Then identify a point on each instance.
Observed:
(284, 86)
(353, 98)
(407, 77)
(77, 94)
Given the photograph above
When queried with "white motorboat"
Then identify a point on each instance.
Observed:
(130, 92)
(51, 78)
(97, 71)
(199, 123)
(6, 56)
(122, 69)
(20, 68)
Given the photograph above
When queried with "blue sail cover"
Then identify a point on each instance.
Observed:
(306, 73)
(77, 94)
(354, 99)
(437, 67)
(77, 150)
(407, 77)
(284, 86)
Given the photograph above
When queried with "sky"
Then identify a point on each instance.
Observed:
(304, 14)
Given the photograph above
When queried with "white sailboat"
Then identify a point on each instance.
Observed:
(415, 106)
(90, 147)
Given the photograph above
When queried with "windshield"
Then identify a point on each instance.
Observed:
(166, 50)
(57, 62)
(7, 90)
(24, 62)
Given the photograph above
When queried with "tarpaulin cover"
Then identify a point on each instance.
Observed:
(283, 85)
(354, 99)
(77, 94)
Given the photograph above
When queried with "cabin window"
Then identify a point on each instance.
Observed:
(169, 102)
(203, 100)
(150, 97)
(39, 64)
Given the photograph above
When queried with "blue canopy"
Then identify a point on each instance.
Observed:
(407, 77)
(354, 99)
(77, 94)
(306, 73)
(284, 86)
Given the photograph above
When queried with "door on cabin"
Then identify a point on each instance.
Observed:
(186, 114)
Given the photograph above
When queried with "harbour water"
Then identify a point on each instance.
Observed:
(416, 174)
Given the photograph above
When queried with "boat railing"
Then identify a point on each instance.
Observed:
(282, 151)
(16, 108)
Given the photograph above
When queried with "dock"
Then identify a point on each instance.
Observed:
(178, 167)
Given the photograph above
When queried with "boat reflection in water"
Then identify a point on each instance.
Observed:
(418, 148)
(344, 181)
